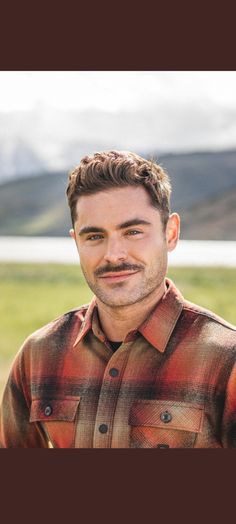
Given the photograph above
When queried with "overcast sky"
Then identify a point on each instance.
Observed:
(114, 90)
(166, 110)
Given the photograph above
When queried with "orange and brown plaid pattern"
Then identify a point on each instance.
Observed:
(171, 384)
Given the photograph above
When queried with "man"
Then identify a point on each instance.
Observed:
(139, 366)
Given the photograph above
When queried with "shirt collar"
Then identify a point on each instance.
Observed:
(86, 319)
(157, 328)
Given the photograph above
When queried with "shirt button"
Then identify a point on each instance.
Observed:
(165, 416)
(103, 428)
(113, 372)
(48, 411)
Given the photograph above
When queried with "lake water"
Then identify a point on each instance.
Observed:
(63, 251)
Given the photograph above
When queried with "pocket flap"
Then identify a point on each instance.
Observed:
(166, 414)
(53, 409)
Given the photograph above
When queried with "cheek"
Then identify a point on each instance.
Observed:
(89, 257)
(151, 249)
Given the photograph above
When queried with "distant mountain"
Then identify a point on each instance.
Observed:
(47, 139)
(204, 193)
(35, 206)
(198, 176)
(213, 219)
(18, 159)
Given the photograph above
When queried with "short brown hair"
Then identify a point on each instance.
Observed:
(114, 169)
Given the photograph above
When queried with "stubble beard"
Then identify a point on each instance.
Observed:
(114, 298)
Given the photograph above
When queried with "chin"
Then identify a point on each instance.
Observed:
(119, 301)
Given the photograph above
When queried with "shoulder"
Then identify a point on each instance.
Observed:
(58, 333)
(208, 328)
(207, 315)
(43, 354)
(194, 316)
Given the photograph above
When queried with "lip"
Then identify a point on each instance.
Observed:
(117, 277)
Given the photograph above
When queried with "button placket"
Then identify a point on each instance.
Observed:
(108, 398)
(103, 428)
(113, 372)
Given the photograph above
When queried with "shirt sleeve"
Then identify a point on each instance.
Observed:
(229, 415)
(16, 430)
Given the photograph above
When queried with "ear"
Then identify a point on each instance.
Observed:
(72, 233)
(172, 231)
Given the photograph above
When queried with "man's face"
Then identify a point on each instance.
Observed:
(122, 245)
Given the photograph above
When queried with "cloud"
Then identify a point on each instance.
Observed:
(159, 123)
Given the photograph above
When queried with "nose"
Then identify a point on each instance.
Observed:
(115, 251)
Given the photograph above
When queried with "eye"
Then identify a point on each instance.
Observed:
(94, 237)
(133, 232)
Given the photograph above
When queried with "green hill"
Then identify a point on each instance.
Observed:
(35, 206)
(204, 193)
(213, 219)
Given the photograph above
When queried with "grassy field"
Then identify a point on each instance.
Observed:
(33, 294)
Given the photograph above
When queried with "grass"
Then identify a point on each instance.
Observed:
(211, 287)
(33, 294)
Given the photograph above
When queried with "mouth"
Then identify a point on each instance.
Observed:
(118, 277)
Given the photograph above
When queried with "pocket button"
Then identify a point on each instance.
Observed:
(165, 416)
(48, 411)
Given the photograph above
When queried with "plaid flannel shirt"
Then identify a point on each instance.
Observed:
(171, 384)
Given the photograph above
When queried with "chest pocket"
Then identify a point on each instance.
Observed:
(164, 424)
(57, 418)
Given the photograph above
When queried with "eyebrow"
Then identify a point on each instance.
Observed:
(133, 222)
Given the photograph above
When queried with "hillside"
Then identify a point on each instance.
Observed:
(204, 193)
(198, 176)
(35, 206)
(214, 219)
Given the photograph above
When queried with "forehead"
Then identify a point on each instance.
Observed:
(114, 205)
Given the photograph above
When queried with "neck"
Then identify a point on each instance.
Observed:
(116, 322)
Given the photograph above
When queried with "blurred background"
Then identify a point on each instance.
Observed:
(186, 121)
(49, 120)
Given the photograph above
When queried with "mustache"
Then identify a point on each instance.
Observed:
(116, 269)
